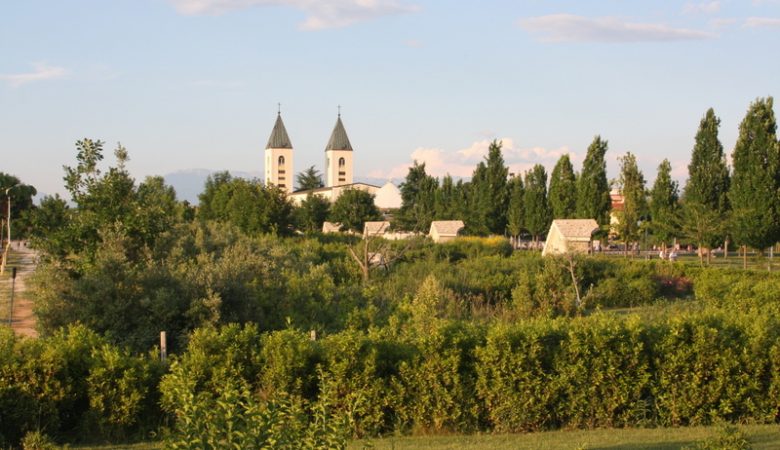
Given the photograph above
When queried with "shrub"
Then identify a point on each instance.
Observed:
(35, 440)
(515, 376)
(728, 437)
(709, 367)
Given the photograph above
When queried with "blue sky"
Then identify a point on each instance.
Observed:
(187, 84)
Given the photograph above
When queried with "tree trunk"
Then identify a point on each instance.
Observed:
(726, 250)
(744, 256)
(701, 256)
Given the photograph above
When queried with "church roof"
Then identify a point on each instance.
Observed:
(338, 139)
(279, 137)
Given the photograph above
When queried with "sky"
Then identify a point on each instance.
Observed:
(194, 84)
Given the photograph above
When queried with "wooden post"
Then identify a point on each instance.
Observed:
(313, 335)
(163, 347)
(13, 288)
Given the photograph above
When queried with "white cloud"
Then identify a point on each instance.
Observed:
(571, 28)
(702, 7)
(762, 22)
(320, 14)
(722, 23)
(42, 72)
(461, 163)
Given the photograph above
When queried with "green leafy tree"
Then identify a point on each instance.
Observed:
(418, 197)
(206, 198)
(249, 204)
(161, 210)
(353, 208)
(563, 189)
(310, 178)
(477, 207)
(489, 193)
(593, 200)
(755, 185)
(538, 216)
(447, 205)
(21, 196)
(107, 201)
(312, 213)
(48, 225)
(516, 213)
(705, 204)
(664, 206)
(632, 186)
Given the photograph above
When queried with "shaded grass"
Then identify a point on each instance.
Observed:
(761, 437)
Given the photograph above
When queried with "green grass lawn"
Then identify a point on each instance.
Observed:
(761, 437)
(733, 261)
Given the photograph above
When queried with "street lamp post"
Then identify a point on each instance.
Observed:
(8, 223)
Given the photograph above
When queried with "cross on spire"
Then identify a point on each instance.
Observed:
(339, 110)
(279, 109)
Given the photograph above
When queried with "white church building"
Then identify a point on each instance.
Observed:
(279, 168)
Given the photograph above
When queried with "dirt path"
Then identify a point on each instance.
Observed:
(25, 260)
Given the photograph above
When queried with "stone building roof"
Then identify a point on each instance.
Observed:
(338, 139)
(447, 227)
(376, 228)
(576, 229)
(279, 137)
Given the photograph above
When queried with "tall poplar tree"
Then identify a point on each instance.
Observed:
(563, 189)
(537, 207)
(489, 189)
(593, 200)
(755, 184)
(632, 186)
(515, 214)
(705, 204)
(664, 206)
(418, 193)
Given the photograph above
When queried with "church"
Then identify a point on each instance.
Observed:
(280, 171)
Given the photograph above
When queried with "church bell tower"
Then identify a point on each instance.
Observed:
(279, 158)
(338, 156)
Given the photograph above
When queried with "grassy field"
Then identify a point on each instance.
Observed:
(761, 437)
(733, 261)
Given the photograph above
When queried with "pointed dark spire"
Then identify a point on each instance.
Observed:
(338, 139)
(279, 137)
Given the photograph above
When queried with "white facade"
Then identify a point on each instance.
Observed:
(339, 167)
(279, 169)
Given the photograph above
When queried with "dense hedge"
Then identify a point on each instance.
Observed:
(415, 375)
(440, 343)
(74, 385)
(598, 371)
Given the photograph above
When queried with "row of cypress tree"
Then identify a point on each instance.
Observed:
(717, 205)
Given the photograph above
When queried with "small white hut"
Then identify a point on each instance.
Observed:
(375, 229)
(569, 235)
(331, 227)
(445, 230)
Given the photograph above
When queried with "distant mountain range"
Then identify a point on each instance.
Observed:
(189, 183)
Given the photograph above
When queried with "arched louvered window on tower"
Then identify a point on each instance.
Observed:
(342, 162)
(281, 161)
